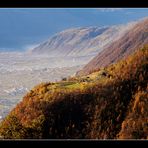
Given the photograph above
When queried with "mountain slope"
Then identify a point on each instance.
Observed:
(85, 107)
(86, 41)
(133, 39)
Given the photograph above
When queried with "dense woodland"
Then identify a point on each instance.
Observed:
(110, 103)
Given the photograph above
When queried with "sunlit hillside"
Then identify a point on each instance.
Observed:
(110, 103)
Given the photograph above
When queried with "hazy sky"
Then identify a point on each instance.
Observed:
(21, 29)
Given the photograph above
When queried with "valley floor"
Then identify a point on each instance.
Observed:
(19, 72)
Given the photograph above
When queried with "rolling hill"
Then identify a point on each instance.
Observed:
(108, 104)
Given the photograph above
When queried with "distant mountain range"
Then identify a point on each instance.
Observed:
(86, 41)
(134, 38)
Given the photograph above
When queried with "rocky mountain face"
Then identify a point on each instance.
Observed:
(133, 39)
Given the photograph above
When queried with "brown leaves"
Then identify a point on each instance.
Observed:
(103, 108)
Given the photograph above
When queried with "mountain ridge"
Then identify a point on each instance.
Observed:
(81, 41)
(119, 49)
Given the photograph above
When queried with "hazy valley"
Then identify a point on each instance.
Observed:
(19, 72)
(61, 56)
